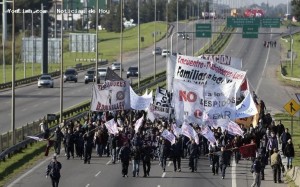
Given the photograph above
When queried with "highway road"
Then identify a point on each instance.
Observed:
(33, 103)
(261, 64)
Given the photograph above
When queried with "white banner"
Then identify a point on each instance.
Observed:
(140, 102)
(223, 59)
(138, 124)
(171, 63)
(200, 71)
(157, 112)
(186, 100)
(110, 96)
(111, 126)
(176, 130)
(234, 129)
(219, 101)
(189, 132)
(246, 108)
(208, 134)
(36, 138)
(162, 97)
(169, 136)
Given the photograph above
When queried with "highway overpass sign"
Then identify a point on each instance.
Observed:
(203, 30)
(250, 31)
(270, 22)
(240, 22)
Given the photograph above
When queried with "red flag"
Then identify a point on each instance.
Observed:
(248, 150)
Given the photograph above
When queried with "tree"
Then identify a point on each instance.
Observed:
(296, 8)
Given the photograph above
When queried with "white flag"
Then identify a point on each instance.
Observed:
(138, 124)
(176, 130)
(111, 126)
(140, 102)
(189, 132)
(234, 129)
(36, 138)
(168, 135)
(246, 108)
(208, 134)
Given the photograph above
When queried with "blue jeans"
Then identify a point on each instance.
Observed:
(289, 161)
(99, 149)
(135, 167)
(113, 155)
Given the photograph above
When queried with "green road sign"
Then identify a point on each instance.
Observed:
(240, 22)
(270, 22)
(250, 31)
(203, 30)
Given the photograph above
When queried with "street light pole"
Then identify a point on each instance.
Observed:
(61, 65)
(177, 26)
(97, 18)
(121, 39)
(154, 39)
(23, 30)
(139, 41)
(4, 32)
(13, 103)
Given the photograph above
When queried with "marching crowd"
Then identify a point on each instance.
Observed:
(147, 144)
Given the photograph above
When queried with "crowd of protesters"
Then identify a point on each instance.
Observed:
(268, 44)
(147, 144)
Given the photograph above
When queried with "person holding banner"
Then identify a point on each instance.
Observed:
(194, 154)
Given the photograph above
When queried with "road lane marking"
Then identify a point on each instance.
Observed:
(35, 105)
(163, 175)
(108, 162)
(158, 185)
(24, 109)
(266, 62)
(97, 174)
(87, 185)
(233, 173)
(169, 163)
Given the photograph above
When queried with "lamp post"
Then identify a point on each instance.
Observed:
(121, 38)
(139, 42)
(97, 55)
(13, 78)
(154, 39)
(61, 106)
(177, 26)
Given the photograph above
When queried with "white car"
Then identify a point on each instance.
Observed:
(165, 53)
(45, 81)
(116, 66)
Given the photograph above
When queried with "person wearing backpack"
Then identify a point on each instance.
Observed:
(256, 170)
(53, 169)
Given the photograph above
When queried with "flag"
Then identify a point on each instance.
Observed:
(189, 132)
(111, 126)
(208, 134)
(140, 102)
(112, 76)
(248, 150)
(176, 130)
(234, 129)
(168, 135)
(36, 138)
(138, 124)
(246, 108)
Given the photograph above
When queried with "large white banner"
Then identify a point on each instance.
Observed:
(171, 63)
(176, 130)
(189, 132)
(234, 129)
(200, 71)
(246, 108)
(219, 101)
(140, 102)
(208, 134)
(223, 59)
(162, 97)
(111, 126)
(110, 96)
(138, 124)
(187, 101)
(169, 136)
(157, 112)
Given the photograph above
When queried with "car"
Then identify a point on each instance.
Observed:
(157, 51)
(89, 76)
(116, 66)
(179, 34)
(165, 53)
(70, 75)
(45, 81)
(185, 36)
(101, 74)
(175, 54)
(132, 72)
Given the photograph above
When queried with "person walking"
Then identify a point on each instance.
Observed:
(53, 170)
(136, 155)
(88, 147)
(176, 155)
(57, 137)
(164, 153)
(146, 157)
(289, 153)
(272, 143)
(256, 170)
(124, 155)
(69, 141)
(276, 164)
(224, 161)
(285, 136)
(194, 154)
(215, 159)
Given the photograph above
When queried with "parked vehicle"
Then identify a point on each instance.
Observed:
(89, 76)
(132, 72)
(70, 75)
(45, 81)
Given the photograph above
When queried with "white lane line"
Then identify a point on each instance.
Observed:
(158, 185)
(266, 62)
(97, 174)
(163, 175)
(87, 185)
(14, 183)
(24, 109)
(169, 163)
(35, 105)
(233, 173)
(108, 162)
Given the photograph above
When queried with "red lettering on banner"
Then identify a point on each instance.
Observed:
(190, 96)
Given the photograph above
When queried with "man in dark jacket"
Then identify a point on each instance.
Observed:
(124, 155)
(88, 146)
(146, 157)
(176, 155)
(224, 161)
(164, 153)
(285, 136)
(256, 170)
(194, 154)
(289, 153)
(53, 169)
(69, 141)
(136, 158)
(215, 159)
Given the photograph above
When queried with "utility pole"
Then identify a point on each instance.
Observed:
(4, 37)
(61, 65)
(97, 22)
(139, 41)
(121, 38)
(154, 39)
(13, 101)
(44, 36)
